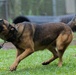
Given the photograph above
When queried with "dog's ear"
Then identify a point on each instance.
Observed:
(12, 28)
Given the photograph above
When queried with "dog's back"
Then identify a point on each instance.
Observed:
(45, 34)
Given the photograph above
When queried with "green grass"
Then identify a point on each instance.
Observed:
(1, 41)
(32, 64)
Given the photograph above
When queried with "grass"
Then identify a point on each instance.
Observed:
(32, 64)
(1, 41)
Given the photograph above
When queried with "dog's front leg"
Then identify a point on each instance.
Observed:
(27, 52)
(19, 52)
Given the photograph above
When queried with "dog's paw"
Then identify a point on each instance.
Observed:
(45, 63)
(13, 68)
(59, 64)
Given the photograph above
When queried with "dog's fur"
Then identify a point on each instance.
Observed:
(29, 37)
(72, 24)
(20, 19)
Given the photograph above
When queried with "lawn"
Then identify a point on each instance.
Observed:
(32, 64)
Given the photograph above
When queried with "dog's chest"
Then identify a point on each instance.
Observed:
(21, 45)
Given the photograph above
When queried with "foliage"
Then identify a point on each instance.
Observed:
(30, 7)
(32, 64)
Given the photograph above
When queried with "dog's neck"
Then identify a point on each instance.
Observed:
(14, 35)
(11, 35)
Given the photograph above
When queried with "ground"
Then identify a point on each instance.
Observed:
(8, 46)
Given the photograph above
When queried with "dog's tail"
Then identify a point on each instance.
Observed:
(72, 24)
(20, 19)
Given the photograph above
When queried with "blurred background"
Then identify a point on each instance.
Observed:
(39, 11)
(9, 9)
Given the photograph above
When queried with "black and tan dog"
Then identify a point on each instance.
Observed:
(28, 38)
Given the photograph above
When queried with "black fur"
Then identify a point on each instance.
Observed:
(20, 19)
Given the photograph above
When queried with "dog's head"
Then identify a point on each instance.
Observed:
(7, 31)
(3, 26)
(6, 28)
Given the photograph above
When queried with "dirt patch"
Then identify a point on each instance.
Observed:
(8, 46)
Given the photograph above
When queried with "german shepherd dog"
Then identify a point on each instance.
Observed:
(29, 37)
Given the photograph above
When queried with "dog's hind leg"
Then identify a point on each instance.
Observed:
(55, 56)
(62, 43)
(60, 54)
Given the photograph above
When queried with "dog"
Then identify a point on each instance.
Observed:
(29, 37)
